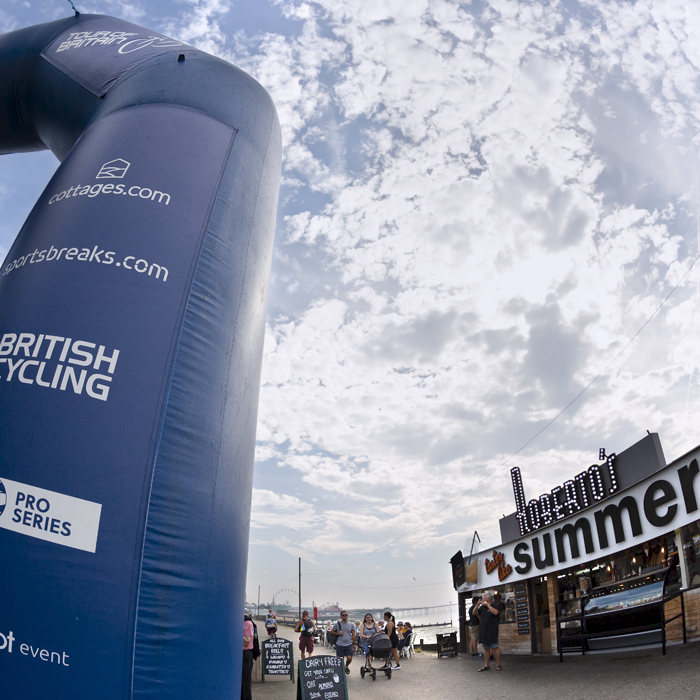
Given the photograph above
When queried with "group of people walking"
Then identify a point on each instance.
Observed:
(349, 637)
(398, 635)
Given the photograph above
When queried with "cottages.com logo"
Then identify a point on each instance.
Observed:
(3, 497)
(112, 170)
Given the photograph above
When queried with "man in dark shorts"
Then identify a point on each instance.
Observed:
(346, 639)
(474, 628)
(306, 639)
(488, 631)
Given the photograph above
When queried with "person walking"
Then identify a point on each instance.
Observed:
(306, 639)
(271, 624)
(390, 631)
(367, 630)
(474, 628)
(345, 639)
(358, 629)
(488, 630)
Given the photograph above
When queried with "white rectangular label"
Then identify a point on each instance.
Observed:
(50, 516)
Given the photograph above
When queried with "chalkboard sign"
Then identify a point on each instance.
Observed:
(447, 644)
(277, 658)
(322, 678)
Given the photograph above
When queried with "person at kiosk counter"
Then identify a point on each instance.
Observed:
(488, 630)
(474, 627)
(306, 639)
(346, 639)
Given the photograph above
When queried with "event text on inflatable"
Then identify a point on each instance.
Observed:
(7, 644)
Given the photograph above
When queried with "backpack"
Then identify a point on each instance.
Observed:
(337, 627)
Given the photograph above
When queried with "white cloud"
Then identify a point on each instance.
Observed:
(481, 205)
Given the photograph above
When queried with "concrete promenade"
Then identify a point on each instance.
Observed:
(629, 675)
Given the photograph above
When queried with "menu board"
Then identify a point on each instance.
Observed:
(322, 678)
(277, 658)
(522, 608)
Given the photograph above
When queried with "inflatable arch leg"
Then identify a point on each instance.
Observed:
(132, 308)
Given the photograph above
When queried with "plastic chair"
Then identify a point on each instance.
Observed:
(408, 650)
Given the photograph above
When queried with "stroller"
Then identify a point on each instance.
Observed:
(379, 647)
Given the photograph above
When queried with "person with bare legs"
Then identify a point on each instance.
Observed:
(346, 639)
(306, 639)
(488, 630)
(368, 629)
(390, 631)
(474, 628)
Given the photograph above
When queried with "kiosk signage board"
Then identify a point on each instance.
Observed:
(665, 500)
(322, 678)
(277, 658)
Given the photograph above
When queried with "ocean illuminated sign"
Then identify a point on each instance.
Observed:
(584, 490)
(661, 503)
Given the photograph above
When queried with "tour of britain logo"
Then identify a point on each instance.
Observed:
(114, 169)
(3, 497)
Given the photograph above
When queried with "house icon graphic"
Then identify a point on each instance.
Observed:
(114, 169)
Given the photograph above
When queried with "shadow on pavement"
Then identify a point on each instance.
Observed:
(630, 675)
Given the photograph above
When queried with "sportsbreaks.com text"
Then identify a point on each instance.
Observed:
(94, 255)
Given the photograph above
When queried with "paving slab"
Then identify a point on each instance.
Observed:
(628, 675)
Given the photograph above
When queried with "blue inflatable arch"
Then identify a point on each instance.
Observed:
(132, 308)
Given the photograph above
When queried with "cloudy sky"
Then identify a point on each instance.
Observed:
(482, 203)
